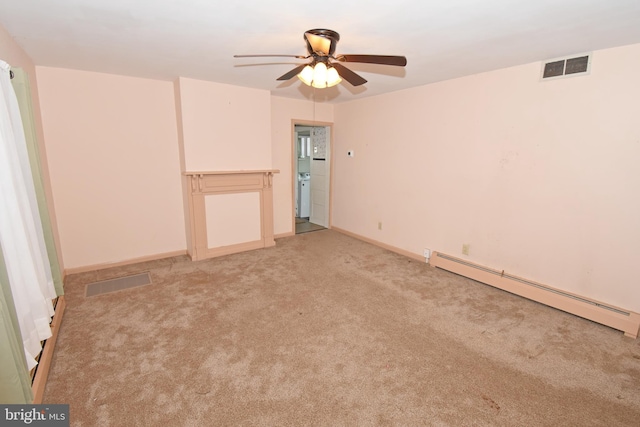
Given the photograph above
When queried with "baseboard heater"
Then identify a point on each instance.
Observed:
(614, 317)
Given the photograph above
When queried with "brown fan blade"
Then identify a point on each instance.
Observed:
(399, 61)
(348, 75)
(270, 56)
(292, 73)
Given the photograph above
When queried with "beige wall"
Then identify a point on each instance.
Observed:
(114, 164)
(224, 127)
(539, 178)
(13, 54)
(284, 112)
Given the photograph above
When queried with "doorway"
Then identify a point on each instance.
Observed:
(311, 177)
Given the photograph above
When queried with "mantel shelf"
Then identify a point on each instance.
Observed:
(231, 172)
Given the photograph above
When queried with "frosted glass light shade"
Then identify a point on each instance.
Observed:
(333, 78)
(306, 75)
(319, 75)
(318, 43)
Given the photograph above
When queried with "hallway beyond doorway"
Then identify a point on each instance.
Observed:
(304, 226)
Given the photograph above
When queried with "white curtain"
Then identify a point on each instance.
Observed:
(21, 236)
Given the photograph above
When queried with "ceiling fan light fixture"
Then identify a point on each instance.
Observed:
(321, 40)
(333, 78)
(319, 75)
(322, 72)
(306, 75)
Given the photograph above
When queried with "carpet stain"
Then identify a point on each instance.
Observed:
(491, 403)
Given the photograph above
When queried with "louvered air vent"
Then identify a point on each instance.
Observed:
(566, 67)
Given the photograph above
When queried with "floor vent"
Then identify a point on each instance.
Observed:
(566, 67)
(118, 284)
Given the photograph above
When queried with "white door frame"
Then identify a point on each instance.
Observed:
(294, 167)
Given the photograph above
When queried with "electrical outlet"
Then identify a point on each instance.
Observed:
(427, 253)
(465, 249)
(379, 225)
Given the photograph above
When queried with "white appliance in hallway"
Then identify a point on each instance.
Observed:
(304, 194)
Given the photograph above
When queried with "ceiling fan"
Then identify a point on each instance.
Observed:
(326, 69)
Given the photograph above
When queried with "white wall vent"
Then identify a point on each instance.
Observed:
(577, 65)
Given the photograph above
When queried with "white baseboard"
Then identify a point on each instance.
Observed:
(399, 251)
(84, 269)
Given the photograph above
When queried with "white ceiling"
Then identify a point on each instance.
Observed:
(164, 39)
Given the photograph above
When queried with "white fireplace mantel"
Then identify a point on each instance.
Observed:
(229, 211)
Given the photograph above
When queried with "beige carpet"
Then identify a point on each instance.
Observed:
(326, 330)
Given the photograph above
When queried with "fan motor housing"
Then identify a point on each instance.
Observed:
(333, 36)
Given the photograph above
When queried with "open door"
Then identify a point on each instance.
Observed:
(320, 175)
(312, 161)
